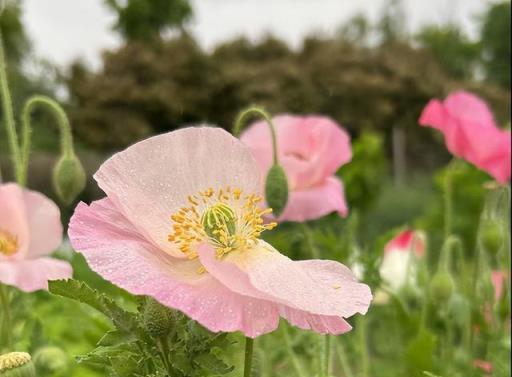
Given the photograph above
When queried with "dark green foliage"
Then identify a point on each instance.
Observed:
(144, 20)
(452, 49)
(495, 39)
(134, 349)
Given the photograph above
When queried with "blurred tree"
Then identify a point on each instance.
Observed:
(13, 33)
(495, 40)
(392, 26)
(451, 48)
(356, 30)
(147, 19)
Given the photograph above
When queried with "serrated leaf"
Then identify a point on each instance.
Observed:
(116, 337)
(81, 292)
(213, 364)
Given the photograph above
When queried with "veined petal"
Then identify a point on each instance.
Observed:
(152, 179)
(316, 286)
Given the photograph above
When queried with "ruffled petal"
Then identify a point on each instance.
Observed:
(13, 217)
(119, 253)
(321, 324)
(33, 274)
(152, 179)
(44, 225)
(316, 286)
(316, 202)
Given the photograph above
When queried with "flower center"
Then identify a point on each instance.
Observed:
(8, 243)
(226, 218)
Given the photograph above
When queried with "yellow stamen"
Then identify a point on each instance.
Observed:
(220, 218)
(8, 243)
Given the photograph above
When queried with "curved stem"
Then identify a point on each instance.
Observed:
(237, 128)
(8, 115)
(66, 137)
(299, 370)
(249, 347)
(6, 318)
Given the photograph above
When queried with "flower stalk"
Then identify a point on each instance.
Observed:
(249, 348)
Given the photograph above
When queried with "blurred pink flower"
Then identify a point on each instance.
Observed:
(399, 256)
(181, 223)
(498, 279)
(486, 366)
(311, 150)
(470, 132)
(30, 230)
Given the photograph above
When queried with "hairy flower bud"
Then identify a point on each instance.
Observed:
(158, 319)
(16, 364)
(68, 178)
(442, 287)
(51, 360)
(491, 236)
(276, 189)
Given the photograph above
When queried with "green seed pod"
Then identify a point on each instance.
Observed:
(276, 189)
(52, 360)
(158, 319)
(491, 236)
(68, 178)
(442, 287)
(16, 364)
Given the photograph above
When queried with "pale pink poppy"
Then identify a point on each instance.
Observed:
(471, 132)
(30, 230)
(400, 256)
(181, 223)
(311, 150)
(483, 365)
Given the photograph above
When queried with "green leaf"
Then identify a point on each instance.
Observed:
(116, 337)
(213, 364)
(419, 354)
(81, 292)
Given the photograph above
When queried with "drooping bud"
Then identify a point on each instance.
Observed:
(158, 319)
(276, 189)
(491, 235)
(16, 364)
(217, 218)
(52, 360)
(442, 287)
(68, 178)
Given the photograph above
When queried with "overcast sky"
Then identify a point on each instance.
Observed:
(63, 30)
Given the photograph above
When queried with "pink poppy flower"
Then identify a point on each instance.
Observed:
(181, 223)
(483, 365)
(470, 132)
(30, 230)
(311, 150)
(399, 258)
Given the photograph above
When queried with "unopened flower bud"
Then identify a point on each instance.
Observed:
(158, 319)
(491, 236)
(52, 360)
(442, 287)
(68, 178)
(16, 364)
(276, 189)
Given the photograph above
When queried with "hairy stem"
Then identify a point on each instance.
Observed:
(6, 318)
(257, 111)
(249, 347)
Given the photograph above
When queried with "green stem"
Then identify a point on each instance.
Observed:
(326, 356)
(6, 320)
(66, 137)
(310, 242)
(345, 365)
(363, 348)
(448, 201)
(251, 111)
(299, 370)
(8, 114)
(249, 347)
(164, 353)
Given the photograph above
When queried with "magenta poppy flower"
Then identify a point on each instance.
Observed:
(399, 258)
(181, 223)
(30, 230)
(311, 150)
(470, 132)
